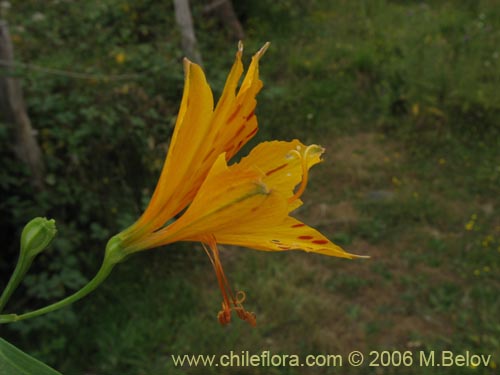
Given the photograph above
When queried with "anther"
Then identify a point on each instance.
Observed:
(224, 315)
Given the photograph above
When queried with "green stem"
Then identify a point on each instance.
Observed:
(101, 275)
(18, 274)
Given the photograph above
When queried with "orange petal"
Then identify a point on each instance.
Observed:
(235, 122)
(248, 207)
(200, 136)
(283, 164)
(223, 195)
(285, 234)
(177, 178)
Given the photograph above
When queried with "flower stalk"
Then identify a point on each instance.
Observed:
(114, 254)
(35, 237)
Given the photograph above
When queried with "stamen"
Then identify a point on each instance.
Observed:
(247, 316)
(305, 171)
(224, 316)
(240, 297)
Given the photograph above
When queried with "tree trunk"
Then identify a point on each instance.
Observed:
(13, 111)
(185, 21)
(224, 10)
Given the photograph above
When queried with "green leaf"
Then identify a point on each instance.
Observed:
(15, 362)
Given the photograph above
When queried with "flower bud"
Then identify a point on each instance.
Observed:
(37, 235)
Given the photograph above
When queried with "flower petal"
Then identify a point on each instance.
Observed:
(246, 205)
(200, 136)
(176, 179)
(222, 196)
(287, 234)
(283, 165)
(235, 122)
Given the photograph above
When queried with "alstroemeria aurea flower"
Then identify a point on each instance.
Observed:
(200, 135)
(246, 204)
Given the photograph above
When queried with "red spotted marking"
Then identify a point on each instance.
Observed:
(252, 133)
(298, 225)
(233, 115)
(191, 192)
(320, 242)
(238, 132)
(305, 237)
(268, 173)
(221, 102)
(208, 155)
(250, 115)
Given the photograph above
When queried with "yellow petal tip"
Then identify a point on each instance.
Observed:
(263, 49)
(187, 63)
(355, 256)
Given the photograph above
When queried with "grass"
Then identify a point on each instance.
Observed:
(404, 96)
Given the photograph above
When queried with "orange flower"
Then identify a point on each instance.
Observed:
(245, 204)
(201, 134)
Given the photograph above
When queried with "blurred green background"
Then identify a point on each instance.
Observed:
(404, 95)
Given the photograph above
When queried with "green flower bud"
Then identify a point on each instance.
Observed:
(37, 235)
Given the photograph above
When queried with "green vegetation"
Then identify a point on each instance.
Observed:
(403, 94)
